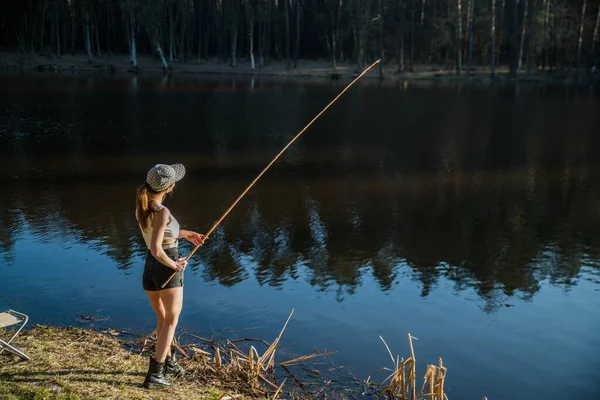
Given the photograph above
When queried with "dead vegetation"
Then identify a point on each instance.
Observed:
(72, 363)
(401, 384)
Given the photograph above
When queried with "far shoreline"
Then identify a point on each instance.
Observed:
(14, 61)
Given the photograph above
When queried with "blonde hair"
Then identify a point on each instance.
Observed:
(143, 212)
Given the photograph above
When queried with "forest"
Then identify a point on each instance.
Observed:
(521, 36)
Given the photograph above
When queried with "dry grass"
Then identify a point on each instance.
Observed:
(72, 363)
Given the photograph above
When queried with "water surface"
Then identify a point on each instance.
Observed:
(467, 216)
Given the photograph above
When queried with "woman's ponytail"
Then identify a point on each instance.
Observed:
(142, 212)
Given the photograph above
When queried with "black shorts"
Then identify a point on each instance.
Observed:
(155, 273)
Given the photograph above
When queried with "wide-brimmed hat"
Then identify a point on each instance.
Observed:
(161, 176)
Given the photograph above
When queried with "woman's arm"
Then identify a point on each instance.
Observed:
(195, 238)
(160, 221)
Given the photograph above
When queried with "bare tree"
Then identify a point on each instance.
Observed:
(596, 28)
(470, 40)
(401, 28)
(493, 40)
(580, 41)
(334, 8)
(381, 40)
(531, 37)
(57, 22)
(458, 36)
(233, 15)
(250, 13)
(287, 33)
(88, 40)
(297, 45)
(412, 37)
(523, 33)
(153, 14)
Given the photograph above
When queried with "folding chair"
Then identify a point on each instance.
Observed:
(10, 318)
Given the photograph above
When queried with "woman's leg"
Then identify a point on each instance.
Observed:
(172, 300)
(159, 310)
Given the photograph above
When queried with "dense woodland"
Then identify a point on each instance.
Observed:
(524, 35)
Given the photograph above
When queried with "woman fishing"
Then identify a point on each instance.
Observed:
(161, 232)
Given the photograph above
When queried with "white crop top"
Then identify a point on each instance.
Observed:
(171, 232)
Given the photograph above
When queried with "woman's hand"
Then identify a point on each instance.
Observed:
(195, 238)
(180, 264)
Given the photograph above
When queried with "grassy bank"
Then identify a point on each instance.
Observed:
(147, 65)
(72, 363)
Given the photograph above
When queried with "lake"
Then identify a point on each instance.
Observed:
(465, 215)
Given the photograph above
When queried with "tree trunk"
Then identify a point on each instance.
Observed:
(108, 29)
(422, 19)
(531, 42)
(363, 21)
(595, 36)
(277, 34)
(181, 50)
(267, 38)
(412, 38)
(551, 35)
(287, 32)
(43, 30)
(493, 41)
(170, 7)
(470, 41)
(381, 40)
(88, 40)
(401, 66)
(401, 26)
(544, 35)
(252, 40)
(465, 35)
(57, 35)
(580, 41)
(260, 31)
(297, 45)
(98, 53)
(333, 49)
(63, 32)
(72, 34)
(234, 38)
(198, 4)
(458, 38)
(513, 49)
(161, 55)
(335, 11)
(523, 33)
(133, 49)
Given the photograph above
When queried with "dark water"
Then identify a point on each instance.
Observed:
(469, 217)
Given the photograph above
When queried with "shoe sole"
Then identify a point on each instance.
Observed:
(156, 386)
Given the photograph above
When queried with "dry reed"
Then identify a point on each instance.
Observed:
(401, 383)
(253, 374)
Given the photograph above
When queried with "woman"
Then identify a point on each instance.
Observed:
(161, 232)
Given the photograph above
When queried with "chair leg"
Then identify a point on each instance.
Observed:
(12, 349)
(6, 345)
(25, 319)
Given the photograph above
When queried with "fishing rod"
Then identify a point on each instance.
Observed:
(269, 165)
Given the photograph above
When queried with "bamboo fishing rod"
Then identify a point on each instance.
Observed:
(269, 165)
